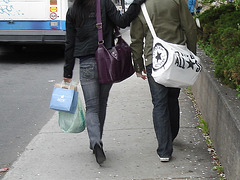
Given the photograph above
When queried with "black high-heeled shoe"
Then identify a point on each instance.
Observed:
(99, 154)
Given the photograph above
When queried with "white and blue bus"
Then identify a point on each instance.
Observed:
(33, 21)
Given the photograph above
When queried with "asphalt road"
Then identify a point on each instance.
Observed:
(26, 83)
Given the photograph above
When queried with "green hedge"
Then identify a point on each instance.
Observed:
(220, 38)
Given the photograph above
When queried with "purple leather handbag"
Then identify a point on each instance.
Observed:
(114, 65)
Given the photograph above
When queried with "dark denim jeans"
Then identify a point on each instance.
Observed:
(165, 114)
(96, 97)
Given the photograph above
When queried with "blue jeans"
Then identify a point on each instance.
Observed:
(96, 97)
(165, 114)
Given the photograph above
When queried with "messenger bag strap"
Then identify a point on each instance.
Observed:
(149, 23)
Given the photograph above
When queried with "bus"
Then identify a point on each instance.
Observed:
(33, 21)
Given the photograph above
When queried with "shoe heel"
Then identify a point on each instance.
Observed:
(99, 154)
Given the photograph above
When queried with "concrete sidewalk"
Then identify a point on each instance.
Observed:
(129, 143)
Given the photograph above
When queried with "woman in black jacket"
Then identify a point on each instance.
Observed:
(82, 43)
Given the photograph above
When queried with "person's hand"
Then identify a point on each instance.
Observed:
(67, 80)
(141, 75)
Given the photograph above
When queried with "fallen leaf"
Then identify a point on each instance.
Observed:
(3, 170)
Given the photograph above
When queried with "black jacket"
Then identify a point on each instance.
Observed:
(83, 41)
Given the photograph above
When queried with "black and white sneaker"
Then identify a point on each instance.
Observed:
(164, 159)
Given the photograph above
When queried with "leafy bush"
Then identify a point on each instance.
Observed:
(220, 37)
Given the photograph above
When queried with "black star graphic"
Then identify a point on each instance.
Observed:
(190, 64)
(158, 57)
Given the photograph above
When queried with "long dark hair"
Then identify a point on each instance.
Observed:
(81, 10)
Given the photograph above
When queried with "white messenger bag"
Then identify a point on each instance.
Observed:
(174, 65)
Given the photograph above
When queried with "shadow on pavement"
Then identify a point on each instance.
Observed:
(33, 54)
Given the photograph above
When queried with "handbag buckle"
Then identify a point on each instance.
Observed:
(99, 26)
(101, 42)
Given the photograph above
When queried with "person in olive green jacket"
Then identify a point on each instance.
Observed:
(173, 23)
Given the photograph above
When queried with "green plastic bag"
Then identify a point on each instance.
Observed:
(73, 123)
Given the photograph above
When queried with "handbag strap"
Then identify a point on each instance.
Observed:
(99, 24)
(149, 23)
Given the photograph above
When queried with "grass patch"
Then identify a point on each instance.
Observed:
(202, 124)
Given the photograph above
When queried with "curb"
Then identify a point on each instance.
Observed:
(220, 107)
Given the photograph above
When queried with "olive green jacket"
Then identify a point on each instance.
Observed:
(172, 22)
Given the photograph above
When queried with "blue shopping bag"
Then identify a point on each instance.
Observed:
(64, 100)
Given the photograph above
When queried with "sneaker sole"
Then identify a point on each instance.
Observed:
(164, 159)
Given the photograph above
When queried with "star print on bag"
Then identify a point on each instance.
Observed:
(160, 56)
(190, 64)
